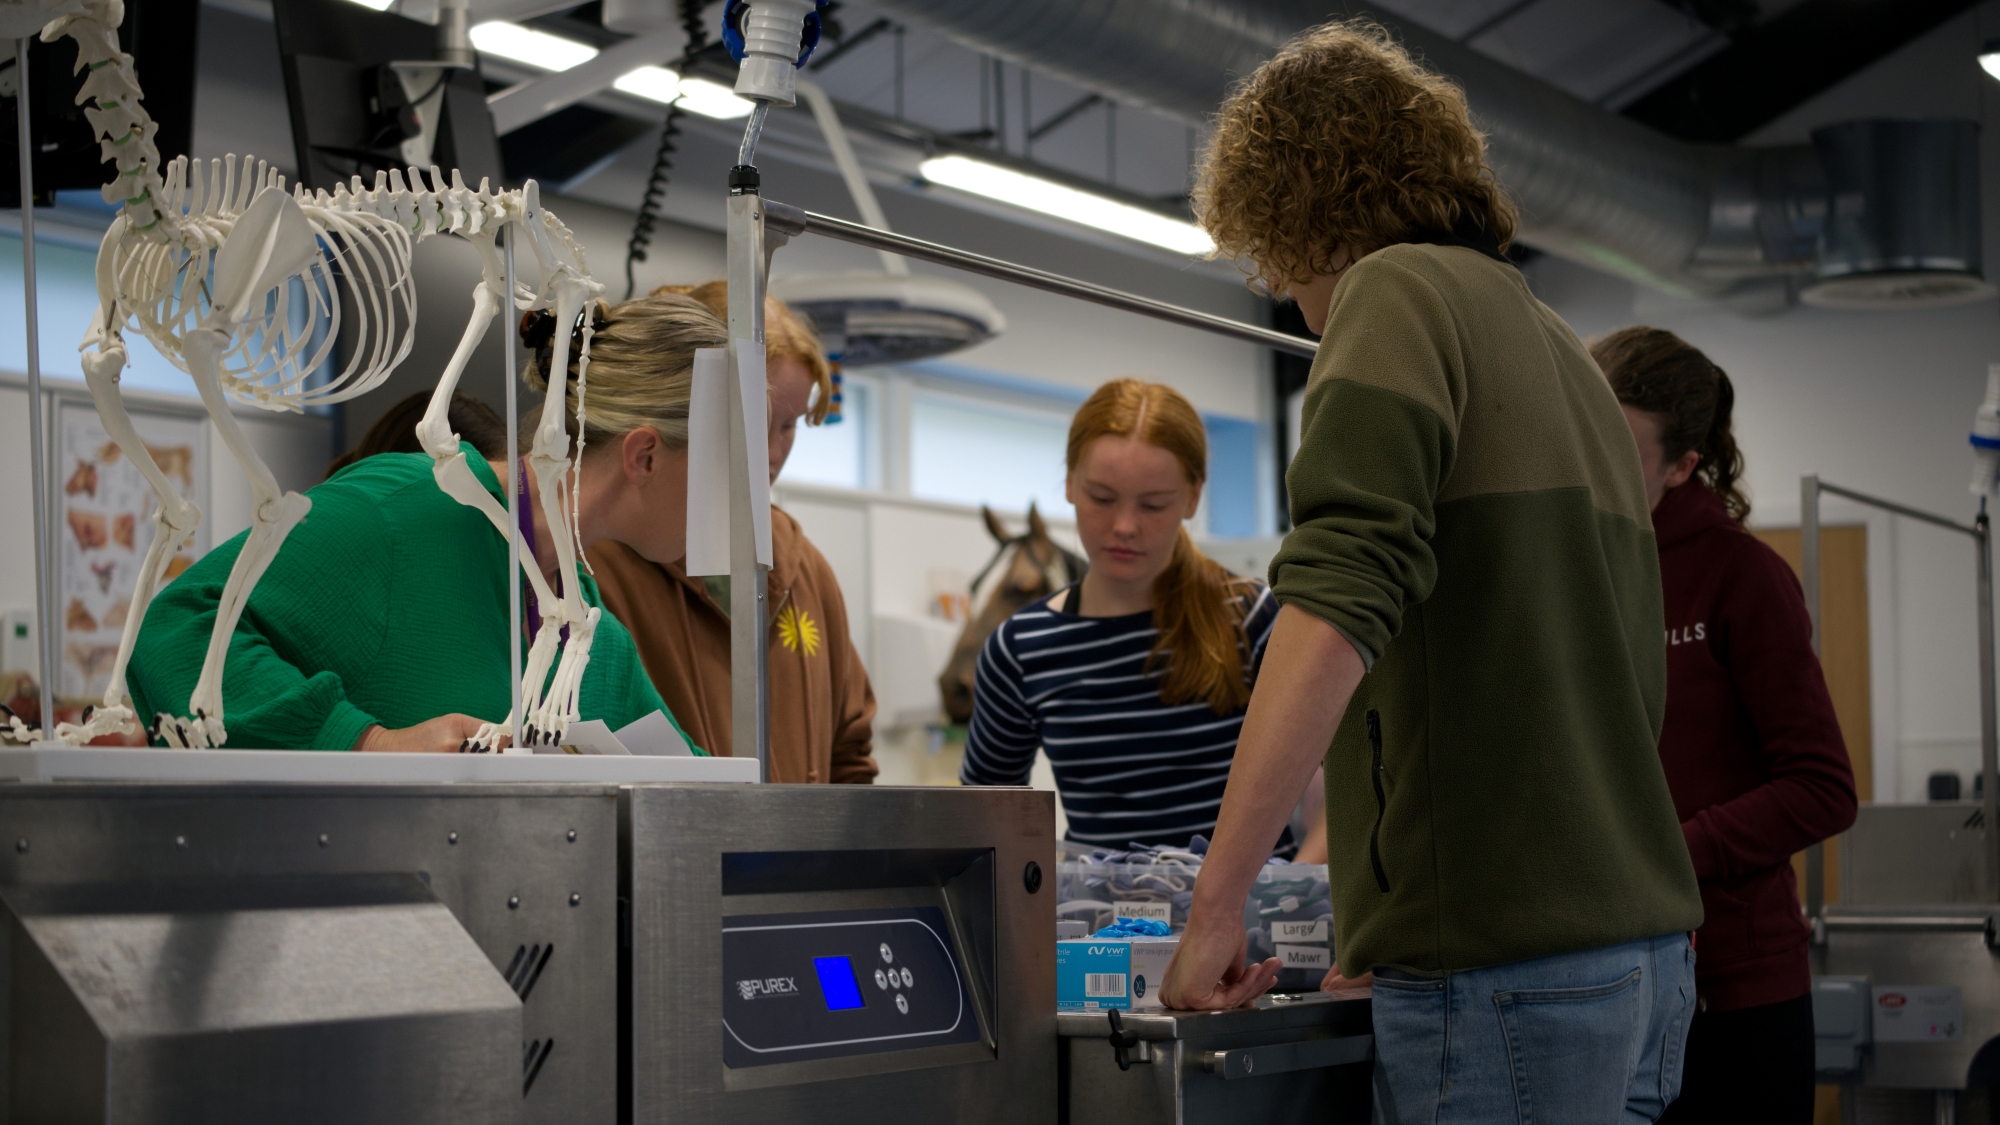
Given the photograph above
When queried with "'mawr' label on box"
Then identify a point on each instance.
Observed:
(1314, 930)
(1156, 911)
(1304, 957)
(1918, 1013)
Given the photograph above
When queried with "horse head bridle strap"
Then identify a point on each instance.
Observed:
(999, 553)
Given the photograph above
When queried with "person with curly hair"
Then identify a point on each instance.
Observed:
(1471, 635)
(1752, 750)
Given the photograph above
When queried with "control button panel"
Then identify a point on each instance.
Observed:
(795, 986)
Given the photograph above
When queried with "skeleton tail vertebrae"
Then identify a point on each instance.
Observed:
(123, 127)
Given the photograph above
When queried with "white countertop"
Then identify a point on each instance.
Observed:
(335, 767)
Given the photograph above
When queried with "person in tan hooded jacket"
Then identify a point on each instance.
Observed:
(822, 708)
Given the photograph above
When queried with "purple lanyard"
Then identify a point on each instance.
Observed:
(532, 621)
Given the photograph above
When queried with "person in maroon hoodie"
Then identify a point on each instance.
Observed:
(1752, 753)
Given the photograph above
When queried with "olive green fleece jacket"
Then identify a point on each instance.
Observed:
(387, 604)
(1469, 511)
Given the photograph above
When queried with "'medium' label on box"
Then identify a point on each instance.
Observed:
(1153, 911)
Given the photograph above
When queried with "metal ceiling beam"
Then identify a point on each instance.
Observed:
(1775, 66)
(850, 43)
(1063, 116)
(535, 99)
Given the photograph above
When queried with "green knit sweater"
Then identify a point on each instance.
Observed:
(387, 604)
(1469, 511)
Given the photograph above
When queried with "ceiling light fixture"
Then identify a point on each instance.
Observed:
(525, 45)
(696, 95)
(1050, 198)
(1989, 57)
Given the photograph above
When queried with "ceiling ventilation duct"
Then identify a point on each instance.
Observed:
(1903, 215)
(1593, 187)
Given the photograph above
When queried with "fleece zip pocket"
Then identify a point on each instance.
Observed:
(1381, 802)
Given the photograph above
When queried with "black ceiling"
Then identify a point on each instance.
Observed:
(1771, 67)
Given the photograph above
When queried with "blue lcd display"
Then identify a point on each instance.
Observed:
(836, 983)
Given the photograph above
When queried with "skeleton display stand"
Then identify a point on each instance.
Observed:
(243, 285)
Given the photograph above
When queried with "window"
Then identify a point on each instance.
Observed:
(1232, 477)
(969, 451)
(66, 289)
(841, 453)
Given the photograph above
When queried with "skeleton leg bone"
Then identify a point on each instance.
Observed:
(455, 477)
(548, 460)
(174, 520)
(274, 513)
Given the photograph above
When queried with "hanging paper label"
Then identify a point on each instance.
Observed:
(756, 441)
(1152, 911)
(708, 464)
(1314, 930)
(1305, 957)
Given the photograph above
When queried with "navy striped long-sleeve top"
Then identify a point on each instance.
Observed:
(1130, 768)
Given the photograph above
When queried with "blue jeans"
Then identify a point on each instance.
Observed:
(1590, 1038)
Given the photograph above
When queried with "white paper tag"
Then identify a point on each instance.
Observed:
(1312, 931)
(1918, 1013)
(1305, 957)
(708, 464)
(591, 736)
(654, 735)
(756, 444)
(1156, 911)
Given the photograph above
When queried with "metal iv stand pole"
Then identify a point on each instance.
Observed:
(45, 616)
(749, 640)
(1981, 531)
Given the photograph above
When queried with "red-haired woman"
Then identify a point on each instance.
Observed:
(1753, 755)
(1134, 680)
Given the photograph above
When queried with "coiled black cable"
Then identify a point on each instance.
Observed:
(663, 155)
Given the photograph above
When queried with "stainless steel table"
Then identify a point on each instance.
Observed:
(1304, 1058)
(304, 953)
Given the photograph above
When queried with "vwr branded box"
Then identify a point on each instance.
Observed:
(1096, 974)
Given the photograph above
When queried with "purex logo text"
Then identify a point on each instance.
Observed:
(768, 987)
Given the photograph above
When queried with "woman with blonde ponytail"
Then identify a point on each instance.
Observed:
(383, 625)
(1135, 679)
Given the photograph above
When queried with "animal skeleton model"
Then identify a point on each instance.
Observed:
(246, 287)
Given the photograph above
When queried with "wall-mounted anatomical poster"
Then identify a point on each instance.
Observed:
(104, 526)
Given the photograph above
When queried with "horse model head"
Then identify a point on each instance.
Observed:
(1030, 566)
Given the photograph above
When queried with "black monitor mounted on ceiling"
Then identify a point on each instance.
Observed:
(365, 96)
(162, 35)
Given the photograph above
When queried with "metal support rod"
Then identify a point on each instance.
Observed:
(749, 682)
(509, 326)
(1903, 510)
(1809, 488)
(793, 220)
(1989, 728)
(45, 578)
(1981, 531)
